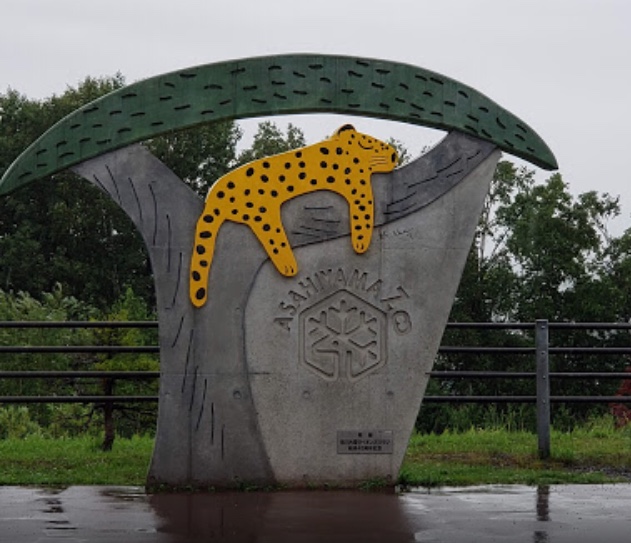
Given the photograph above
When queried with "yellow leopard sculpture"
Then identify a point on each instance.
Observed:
(253, 194)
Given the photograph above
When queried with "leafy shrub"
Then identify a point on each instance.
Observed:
(16, 423)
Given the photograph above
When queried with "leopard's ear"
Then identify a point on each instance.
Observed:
(345, 128)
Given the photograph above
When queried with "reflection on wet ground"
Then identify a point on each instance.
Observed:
(283, 516)
(547, 514)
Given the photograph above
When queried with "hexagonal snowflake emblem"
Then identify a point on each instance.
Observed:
(342, 336)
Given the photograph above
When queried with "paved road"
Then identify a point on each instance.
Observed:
(555, 514)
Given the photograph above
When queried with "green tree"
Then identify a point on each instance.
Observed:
(201, 155)
(613, 291)
(63, 230)
(402, 151)
(489, 281)
(556, 242)
(270, 140)
(539, 252)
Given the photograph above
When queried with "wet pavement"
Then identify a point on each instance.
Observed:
(554, 514)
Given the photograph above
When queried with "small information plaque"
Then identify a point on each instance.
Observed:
(364, 442)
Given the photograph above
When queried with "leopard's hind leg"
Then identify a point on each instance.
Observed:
(273, 237)
(205, 236)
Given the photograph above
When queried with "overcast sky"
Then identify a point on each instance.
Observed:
(563, 66)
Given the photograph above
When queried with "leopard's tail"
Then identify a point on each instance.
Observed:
(205, 235)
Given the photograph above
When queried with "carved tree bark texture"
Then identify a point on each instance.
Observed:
(196, 347)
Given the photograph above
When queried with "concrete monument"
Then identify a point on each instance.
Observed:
(302, 305)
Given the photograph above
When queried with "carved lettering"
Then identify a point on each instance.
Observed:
(397, 233)
(325, 282)
(309, 287)
(326, 275)
(283, 322)
(340, 277)
(296, 297)
(375, 288)
(402, 322)
(288, 307)
(401, 294)
(358, 280)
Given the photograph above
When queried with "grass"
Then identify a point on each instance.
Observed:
(596, 454)
(37, 460)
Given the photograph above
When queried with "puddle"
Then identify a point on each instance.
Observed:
(542, 514)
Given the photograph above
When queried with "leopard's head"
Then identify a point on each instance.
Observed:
(375, 154)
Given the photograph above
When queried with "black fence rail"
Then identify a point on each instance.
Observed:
(109, 377)
(541, 351)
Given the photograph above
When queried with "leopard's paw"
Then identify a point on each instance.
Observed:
(360, 246)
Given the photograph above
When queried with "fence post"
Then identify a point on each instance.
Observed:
(543, 388)
(108, 416)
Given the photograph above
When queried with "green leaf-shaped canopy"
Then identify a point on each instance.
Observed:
(276, 85)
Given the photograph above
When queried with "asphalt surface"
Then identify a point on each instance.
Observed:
(555, 514)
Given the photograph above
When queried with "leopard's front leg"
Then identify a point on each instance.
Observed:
(362, 217)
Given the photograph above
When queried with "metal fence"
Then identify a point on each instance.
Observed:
(109, 376)
(540, 350)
